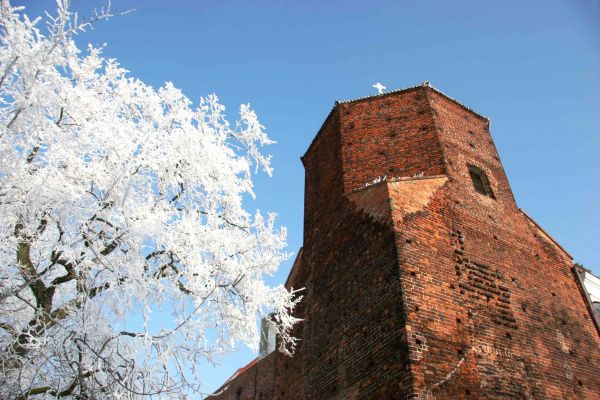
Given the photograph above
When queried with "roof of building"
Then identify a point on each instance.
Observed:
(424, 84)
(391, 93)
(236, 374)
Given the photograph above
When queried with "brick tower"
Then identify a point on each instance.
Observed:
(424, 280)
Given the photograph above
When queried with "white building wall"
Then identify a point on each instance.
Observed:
(592, 286)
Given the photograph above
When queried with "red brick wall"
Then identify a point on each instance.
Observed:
(465, 139)
(419, 286)
(323, 178)
(354, 342)
(492, 312)
(492, 303)
(391, 135)
(357, 350)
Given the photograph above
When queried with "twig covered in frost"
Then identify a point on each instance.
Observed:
(118, 201)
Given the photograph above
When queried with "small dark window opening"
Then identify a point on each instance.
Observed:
(481, 182)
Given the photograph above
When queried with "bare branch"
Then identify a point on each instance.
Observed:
(9, 328)
(32, 155)
(14, 118)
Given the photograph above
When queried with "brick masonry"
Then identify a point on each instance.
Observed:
(417, 286)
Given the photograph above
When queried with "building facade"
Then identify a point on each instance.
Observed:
(424, 279)
(591, 285)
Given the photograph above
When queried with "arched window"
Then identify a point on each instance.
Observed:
(481, 183)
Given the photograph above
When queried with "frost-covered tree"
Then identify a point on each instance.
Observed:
(126, 254)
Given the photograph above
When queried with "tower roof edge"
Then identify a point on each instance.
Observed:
(407, 89)
(425, 84)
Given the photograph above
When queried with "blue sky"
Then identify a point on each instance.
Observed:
(532, 67)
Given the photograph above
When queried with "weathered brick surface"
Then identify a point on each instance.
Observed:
(358, 351)
(389, 136)
(418, 286)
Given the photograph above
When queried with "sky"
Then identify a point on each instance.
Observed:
(532, 67)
